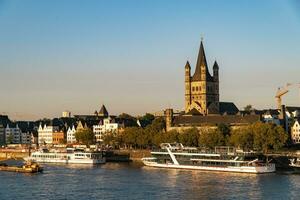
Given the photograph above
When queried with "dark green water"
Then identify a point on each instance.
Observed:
(131, 181)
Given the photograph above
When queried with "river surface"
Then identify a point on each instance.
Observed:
(134, 181)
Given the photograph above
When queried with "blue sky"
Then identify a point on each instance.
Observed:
(130, 55)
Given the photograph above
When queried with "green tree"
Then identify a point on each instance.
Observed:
(242, 138)
(268, 136)
(147, 119)
(211, 138)
(128, 120)
(85, 136)
(133, 136)
(189, 137)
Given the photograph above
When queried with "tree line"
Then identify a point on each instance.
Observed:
(258, 136)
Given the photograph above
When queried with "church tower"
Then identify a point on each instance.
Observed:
(201, 89)
(187, 85)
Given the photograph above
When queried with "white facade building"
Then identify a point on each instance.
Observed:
(268, 118)
(13, 135)
(71, 134)
(107, 127)
(45, 134)
(295, 132)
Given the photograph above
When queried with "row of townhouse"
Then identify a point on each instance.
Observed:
(59, 134)
(14, 133)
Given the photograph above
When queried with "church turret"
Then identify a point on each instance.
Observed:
(216, 71)
(187, 85)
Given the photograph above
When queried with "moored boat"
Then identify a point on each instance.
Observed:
(69, 156)
(28, 167)
(295, 163)
(225, 159)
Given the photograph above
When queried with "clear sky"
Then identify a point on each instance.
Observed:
(74, 55)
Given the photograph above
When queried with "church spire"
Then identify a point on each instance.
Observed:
(201, 61)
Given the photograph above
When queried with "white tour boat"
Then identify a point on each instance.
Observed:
(295, 163)
(71, 156)
(222, 159)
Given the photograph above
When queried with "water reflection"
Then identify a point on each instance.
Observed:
(133, 181)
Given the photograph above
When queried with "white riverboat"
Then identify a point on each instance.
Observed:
(69, 156)
(295, 163)
(225, 159)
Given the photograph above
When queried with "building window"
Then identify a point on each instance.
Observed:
(197, 88)
(193, 89)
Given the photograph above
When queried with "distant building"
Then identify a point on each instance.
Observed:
(271, 116)
(4, 120)
(2, 133)
(179, 122)
(13, 134)
(295, 132)
(71, 134)
(58, 137)
(108, 126)
(45, 133)
(66, 114)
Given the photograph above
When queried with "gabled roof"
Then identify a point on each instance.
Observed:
(201, 60)
(228, 108)
(103, 111)
(194, 111)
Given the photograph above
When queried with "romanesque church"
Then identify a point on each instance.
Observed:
(202, 89)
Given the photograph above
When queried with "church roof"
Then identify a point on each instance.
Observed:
(228, 107)
(216, 66)
(200, 62)
(187, 65)
(103, 111)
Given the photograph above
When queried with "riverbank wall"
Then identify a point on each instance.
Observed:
(133, 155)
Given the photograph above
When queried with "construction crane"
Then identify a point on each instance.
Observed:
(282, 91)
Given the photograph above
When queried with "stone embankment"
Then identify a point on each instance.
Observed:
(134, 155)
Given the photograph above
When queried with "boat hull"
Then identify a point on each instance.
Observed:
(244, 169)
(65, 161)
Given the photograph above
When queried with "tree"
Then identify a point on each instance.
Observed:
(211, 138)
(242, 138)
(85, 136)
(268, 136)
(131, 135)
(128, 120)
(147, 119)
(248, 108)
(189, 137)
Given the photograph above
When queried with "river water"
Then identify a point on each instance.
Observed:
(134, 181)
